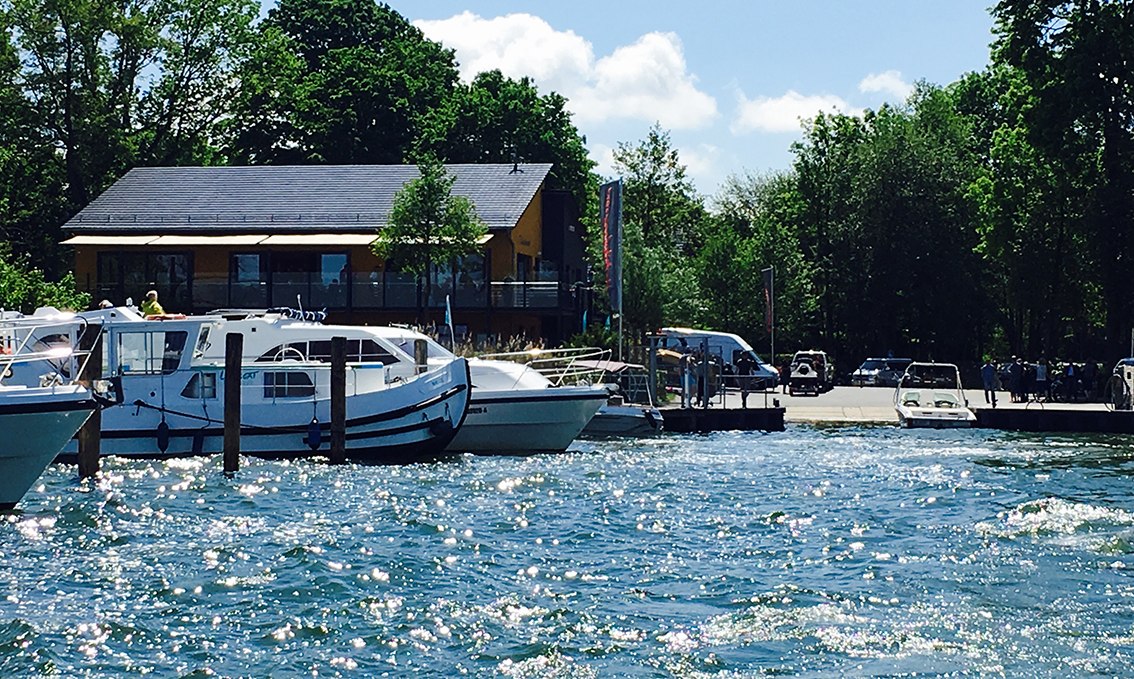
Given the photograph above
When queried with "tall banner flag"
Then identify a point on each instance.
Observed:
(768, 297)
(610, 219)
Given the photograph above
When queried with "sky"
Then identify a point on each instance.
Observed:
(728, 79)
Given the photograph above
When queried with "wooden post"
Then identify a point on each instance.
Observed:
(233, 349)
(90, 435)
(706, 372)
(421, 355)
(652, 386)
(338, 400)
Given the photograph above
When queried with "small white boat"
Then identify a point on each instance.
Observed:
(628, 411)
(513, 409)
(37, 420)
(173, 397)
(930, 395)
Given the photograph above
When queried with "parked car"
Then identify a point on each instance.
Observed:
(812, 372)
(724, 346)
(880, 372)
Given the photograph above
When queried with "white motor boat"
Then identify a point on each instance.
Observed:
(513, 408)
(929, 395)
(629, 410)
(37, 420)
(172, 391)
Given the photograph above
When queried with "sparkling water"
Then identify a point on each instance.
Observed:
(816, 551)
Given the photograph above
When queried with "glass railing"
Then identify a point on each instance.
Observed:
(389, 291)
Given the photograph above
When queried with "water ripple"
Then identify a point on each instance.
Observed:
(865, 551)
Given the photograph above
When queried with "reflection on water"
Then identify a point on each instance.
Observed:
(816, 551)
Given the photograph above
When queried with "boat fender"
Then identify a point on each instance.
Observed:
(314, 435)
(651, 419)
(163, 436)
(439, 428)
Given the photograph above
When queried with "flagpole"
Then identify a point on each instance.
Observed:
(620, 269)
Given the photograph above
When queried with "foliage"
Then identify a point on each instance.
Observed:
(495, 119)
(428, 225)
(104, 87)
(337, 81)
(24, 288)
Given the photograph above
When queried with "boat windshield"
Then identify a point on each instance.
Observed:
(433, 349)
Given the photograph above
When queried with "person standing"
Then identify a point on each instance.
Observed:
(744, 366)
(988, 377)
(1016, 379)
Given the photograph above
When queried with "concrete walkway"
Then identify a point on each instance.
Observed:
(857, 405)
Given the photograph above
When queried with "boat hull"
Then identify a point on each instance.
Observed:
(413, 421)
(36, 424)
(935, 418)
(625, 420)
(521, 421)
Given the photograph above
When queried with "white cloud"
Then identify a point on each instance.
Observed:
(701, 161)
(647, 80)
(603, 156)
(784, 113)
(888, 82)
(517, 44)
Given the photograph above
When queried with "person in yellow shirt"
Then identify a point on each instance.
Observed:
(151, 307)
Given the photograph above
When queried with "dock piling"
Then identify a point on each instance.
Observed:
(90, 435)
(233, 350)
(338, 400)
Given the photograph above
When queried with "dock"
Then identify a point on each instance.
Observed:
(704, 420)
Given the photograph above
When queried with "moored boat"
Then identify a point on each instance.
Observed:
(37, 420)
(173, 393)
(513, 409)
(930, 395)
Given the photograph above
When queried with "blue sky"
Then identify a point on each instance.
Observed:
(729, 79)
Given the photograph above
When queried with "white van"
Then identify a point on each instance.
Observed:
(724, 345)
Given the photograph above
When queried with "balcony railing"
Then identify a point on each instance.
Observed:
(391, 291)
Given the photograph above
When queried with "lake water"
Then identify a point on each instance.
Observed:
(816, 551)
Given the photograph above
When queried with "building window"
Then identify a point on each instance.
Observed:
(311, 279)
(248, 280)
(123, 275)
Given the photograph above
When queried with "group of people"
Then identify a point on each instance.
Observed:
(150, 305)
(1042, 380)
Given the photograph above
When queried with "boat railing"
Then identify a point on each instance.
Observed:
(52, 341)
(564, 366)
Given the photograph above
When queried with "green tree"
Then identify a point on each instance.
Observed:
(663, 221)
(114, 85)
(1076, 58)
(658, 195)
(24, 288)
(428, 225)
(337, 81)
(495, 119)
(758, 216)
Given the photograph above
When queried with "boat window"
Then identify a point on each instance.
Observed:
(150, 353)
(357, 351)
(201, 385)
(288, 384)
(203, 343)
(433, 349)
